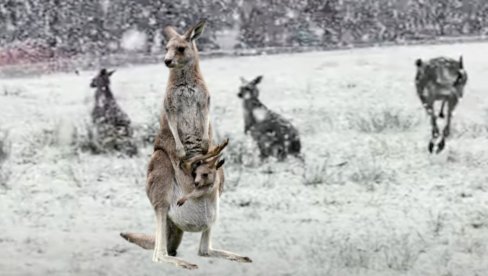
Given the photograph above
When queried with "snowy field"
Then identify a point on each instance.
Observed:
(370, 200)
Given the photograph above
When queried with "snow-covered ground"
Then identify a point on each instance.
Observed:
(370, 200)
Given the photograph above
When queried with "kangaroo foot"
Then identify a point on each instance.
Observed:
(226, 255)
(160, 257)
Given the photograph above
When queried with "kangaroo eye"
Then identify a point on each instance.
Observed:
(181, 49)
(193, 174)
(205, 175)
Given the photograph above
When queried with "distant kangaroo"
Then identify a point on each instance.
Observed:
(106, 109)
(274, 135)
(440, 79)
(181, 151)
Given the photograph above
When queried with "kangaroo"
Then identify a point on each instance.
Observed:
(169, 176)
(106, 109)
(440, 79)
(187, 99)
(274, 135)
(204, 173)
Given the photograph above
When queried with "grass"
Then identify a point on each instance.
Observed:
(146, 133)
(12, 91)
(383, 120)
(370, 172)
(352, 253)
(469, 130)
(469, 158)
(320, 172)
(101, 139)
(5, 150)
(326, 218)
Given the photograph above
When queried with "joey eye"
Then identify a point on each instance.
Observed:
(181, 49)
(193, 174)
(205, 175)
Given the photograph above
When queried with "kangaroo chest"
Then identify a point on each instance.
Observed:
(197, 214)
(189, 103)
(188, 100)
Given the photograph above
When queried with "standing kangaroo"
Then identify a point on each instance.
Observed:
(180, 149)
(440, 79)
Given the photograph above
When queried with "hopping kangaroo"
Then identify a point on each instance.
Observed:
(440, 79)
(185, 132)
(274, 135)
(106, 109)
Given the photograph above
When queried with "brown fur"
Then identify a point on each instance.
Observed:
(187, 100)
(185, 136)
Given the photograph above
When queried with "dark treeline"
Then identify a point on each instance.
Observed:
(97, 26)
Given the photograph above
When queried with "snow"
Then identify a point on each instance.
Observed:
(133, 40)
(259, 114)
(369, 200)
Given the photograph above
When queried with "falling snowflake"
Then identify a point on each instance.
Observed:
(259, 114)
(133, 40)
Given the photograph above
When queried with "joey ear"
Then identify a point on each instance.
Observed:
(196, 31)
(418, 62)
(169, 32)
(461, 65)
(243, 80)
(220, 163)
(257, 80)
(110, 73)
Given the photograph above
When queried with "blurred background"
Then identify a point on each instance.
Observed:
(36, 30)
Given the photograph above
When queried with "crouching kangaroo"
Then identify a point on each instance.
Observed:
(274, 135)
(181, 150)
(112, 126)
(106, 109)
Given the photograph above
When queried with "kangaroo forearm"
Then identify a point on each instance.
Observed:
(206, 125)
(173, 127)
(195, 194)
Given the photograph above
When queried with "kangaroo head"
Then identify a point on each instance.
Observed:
(443, 72)
(204, 172)
(102, 79)
(249, 90)
(181, 50)
(203, 168)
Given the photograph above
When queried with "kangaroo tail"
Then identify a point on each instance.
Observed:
(142, 240)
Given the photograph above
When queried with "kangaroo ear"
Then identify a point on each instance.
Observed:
(220, 163)
(461, 65)
(257, 80)
(196, 31)
(418, 62)
(243, 80)
(169, 32)
(110, 73)
(103, 72)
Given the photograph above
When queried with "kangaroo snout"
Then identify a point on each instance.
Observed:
(168, 62)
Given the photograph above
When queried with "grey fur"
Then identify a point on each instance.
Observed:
(274, 135)
(440, 79)
(106, 109)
